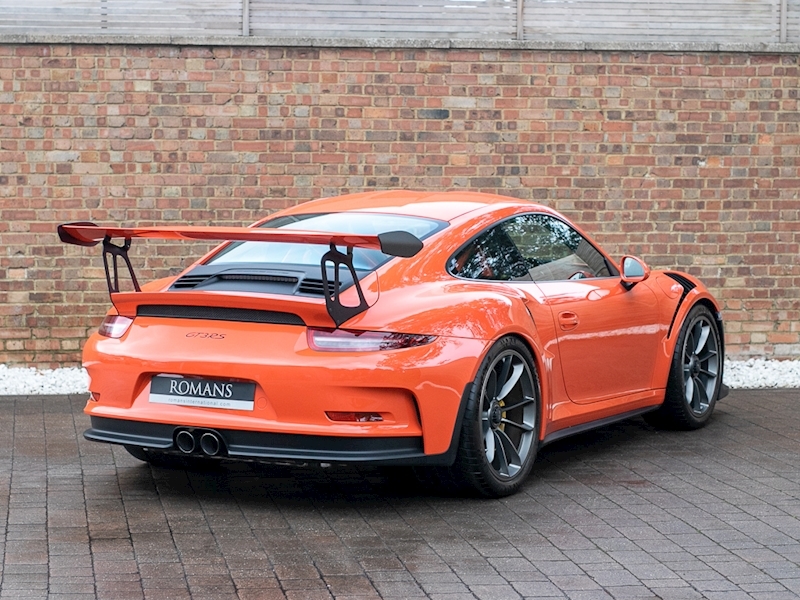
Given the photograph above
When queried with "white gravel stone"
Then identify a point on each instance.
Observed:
(759, 373)
(27, 381)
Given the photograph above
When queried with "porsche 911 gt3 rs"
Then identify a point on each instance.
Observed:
(452, 331)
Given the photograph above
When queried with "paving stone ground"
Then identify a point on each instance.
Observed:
(622, 512)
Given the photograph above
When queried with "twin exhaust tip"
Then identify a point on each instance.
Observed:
(208, 442)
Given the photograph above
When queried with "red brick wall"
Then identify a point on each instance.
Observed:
(689, 160)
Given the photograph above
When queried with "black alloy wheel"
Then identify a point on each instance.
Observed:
(695, 376)
(500, 432)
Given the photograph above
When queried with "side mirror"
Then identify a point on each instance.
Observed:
(634, 270)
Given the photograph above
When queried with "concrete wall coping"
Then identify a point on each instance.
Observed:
(463, 44)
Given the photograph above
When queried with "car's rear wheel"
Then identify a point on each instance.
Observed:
(695, 375)
(500, 432)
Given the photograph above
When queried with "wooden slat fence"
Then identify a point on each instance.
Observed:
(722, 21)
(97, 17)
(793, 21)
(495, 19)
(642, 20)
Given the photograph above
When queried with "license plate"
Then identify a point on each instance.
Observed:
(206, 393)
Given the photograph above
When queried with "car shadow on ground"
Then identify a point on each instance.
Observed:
(254, 482)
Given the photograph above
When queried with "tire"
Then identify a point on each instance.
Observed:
(695, 374)
(500, 430)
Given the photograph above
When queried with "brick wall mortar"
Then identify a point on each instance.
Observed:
(690, 160)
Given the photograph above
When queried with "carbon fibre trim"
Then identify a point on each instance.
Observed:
(218, 313)
(188, 282)
(255, 445)
(687, 286)
(273, 278)
(314, 287)
(686, 283)
(575, 429)
(191, 281)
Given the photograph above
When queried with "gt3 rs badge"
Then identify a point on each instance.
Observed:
(205, 335)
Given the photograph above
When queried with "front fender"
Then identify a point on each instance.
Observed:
(697, 295)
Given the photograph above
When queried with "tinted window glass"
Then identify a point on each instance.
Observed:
(311, 254)
(552, 250)
(490, 256)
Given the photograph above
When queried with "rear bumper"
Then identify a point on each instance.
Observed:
(416, 391)
(267, 446)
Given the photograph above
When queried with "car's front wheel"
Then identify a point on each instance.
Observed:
(695, 375)
(500, 431)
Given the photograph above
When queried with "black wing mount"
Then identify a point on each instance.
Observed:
(111, 255)
(340, 312)
(393, 243)
(115, 252)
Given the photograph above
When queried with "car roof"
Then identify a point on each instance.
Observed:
(445, 206)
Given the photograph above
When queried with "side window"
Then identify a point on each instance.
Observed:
(553, 251)
(491, 256)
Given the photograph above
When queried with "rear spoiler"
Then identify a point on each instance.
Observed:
(393, 243)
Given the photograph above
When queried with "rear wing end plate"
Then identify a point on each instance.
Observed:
(393, 243)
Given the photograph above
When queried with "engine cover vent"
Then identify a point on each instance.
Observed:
(314, 287)
(218, 313)
(188, 282)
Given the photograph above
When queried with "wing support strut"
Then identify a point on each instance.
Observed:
(340, 312)
(114, 253)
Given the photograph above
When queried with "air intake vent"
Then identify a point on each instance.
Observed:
(314, 287)
(687, 285)
(256, 277)
(218, 313)
(187, 282)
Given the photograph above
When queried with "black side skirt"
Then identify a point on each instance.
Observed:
(575, 429)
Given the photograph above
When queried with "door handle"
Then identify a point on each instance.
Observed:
(567, 320)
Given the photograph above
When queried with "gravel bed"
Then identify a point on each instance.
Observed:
(25, 381)
(759, 373)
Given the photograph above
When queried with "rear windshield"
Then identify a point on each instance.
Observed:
(311, 254)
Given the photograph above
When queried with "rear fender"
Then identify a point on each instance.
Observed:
(487, 312)
(451, 309)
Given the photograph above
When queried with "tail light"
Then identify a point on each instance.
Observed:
(114, 326)
(344, 340)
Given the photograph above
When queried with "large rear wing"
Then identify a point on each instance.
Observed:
(393, 243)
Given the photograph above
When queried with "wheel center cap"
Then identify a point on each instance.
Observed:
(694, 365)
(495, 415)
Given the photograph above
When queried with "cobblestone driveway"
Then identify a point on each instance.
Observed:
(622, 512)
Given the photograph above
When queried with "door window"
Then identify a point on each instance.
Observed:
(531, 247)
(492, 255)
(553, 251)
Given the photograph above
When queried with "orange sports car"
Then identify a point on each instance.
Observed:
(457, 332)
